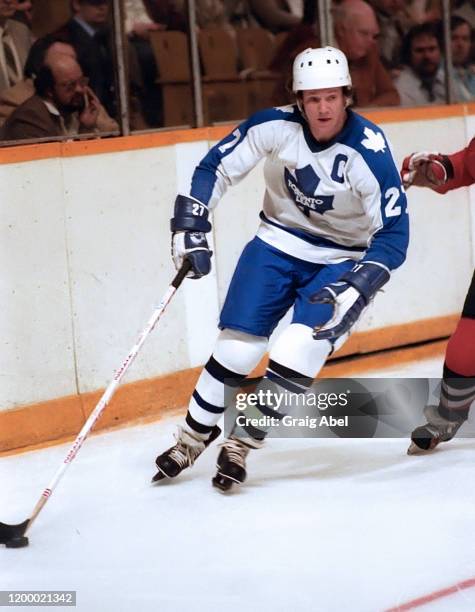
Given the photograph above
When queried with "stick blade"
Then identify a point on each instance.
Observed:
(12, 532)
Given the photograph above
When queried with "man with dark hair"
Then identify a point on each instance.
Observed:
(89, 33)
(422, 80)
(62, 105)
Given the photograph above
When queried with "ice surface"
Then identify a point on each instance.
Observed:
(323, 525)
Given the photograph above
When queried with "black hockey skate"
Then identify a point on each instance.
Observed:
(231, 464)
(438, 429)
(185, 452)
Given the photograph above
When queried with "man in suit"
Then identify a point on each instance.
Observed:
(62, 105)
(15, 42)
(89, 33)
(41, 52)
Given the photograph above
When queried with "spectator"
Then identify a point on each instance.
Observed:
(15, 43)
(239, 14)
(357, 31)
(24, 12)
(150, 15)
(466, 10)
(40, 53)
(305, 34)
(89, 33)
(139, 26)
(391, 18)
(62, 105)
(464, 70)
(423, 11)
(422, 80)
(171, 14)
(140, 23)
(277, 15)
(137, 21)
(211, 14)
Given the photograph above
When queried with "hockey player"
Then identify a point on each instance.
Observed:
(333, 225)
(443, 173)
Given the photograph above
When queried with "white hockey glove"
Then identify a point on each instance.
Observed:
(189, 227)
(194, 247)
(349, 296)
(426, 169)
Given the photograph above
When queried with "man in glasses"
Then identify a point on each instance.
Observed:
(63, 104)
(357, 32)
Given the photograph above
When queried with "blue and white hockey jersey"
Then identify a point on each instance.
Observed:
(324, 202)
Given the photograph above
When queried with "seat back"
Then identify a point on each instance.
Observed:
(171, 54)
(218, 53)
(256, 47)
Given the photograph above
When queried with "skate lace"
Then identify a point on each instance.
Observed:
(184, 454)
(236, 451)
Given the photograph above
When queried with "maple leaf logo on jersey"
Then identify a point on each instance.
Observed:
(374, 141)
(302, 188)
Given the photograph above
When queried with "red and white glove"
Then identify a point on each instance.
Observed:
(426, 169)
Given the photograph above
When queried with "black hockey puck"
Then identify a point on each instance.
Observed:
(19, 542)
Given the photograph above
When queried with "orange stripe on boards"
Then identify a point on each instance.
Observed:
(356, 364)
(398, 335)
(55, 421)
(36, 423)
(418, 113)
(351, 366)
(98, 146)
(61, 419)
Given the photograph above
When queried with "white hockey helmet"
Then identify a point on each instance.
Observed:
(320, 69)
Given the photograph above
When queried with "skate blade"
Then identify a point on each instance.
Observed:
(223, 483)
(417, 450)
(158, 477)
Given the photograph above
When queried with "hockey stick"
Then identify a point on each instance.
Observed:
(13, 536)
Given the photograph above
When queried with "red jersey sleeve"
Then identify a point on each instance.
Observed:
(463, 163)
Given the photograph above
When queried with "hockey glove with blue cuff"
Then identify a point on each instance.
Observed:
(349, 296)
(189, 226)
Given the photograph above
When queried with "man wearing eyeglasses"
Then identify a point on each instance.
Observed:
(63, 105)
(357, 31)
